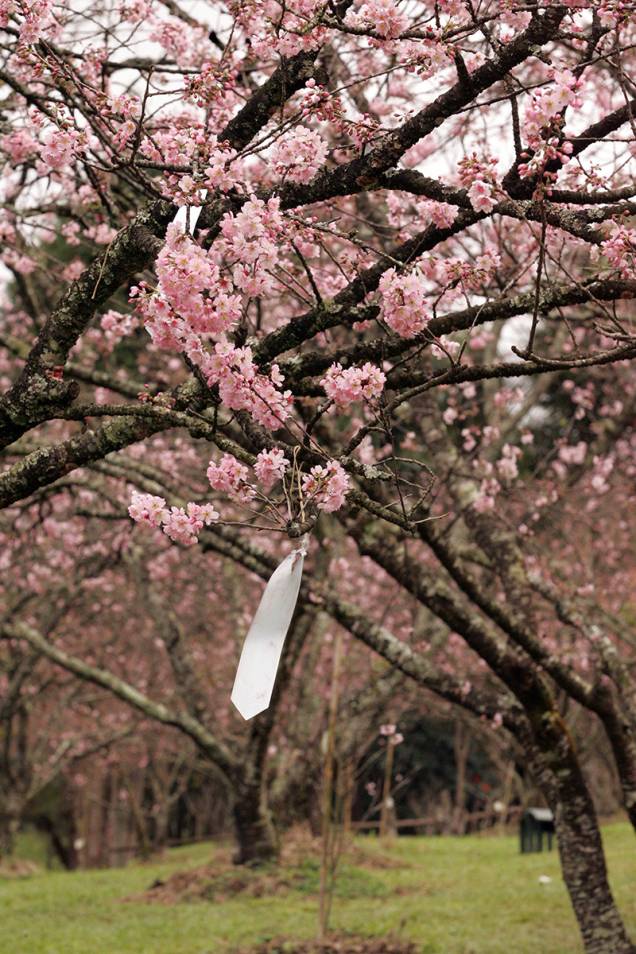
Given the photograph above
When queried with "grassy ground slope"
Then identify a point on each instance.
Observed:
(473, 895)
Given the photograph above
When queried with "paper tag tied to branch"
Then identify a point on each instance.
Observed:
(256, 673)
(189, 215)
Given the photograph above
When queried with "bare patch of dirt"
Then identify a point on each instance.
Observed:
(357, 854)
(215, 882)
(342, 944)
(18, 868)
(299, 843)
(220, 880)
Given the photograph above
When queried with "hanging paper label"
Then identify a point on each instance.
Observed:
(190, 214)
(263, 644)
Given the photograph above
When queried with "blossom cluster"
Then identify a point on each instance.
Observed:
(299, 154)
(603, 468)
(116, 326)
(280, 30)
(210, 86)
(319, 103)
(270, 466)
(403, 301)
(187, 45)
(400, 205)
(327, 486)
(125, 112)
(251, 238)
(191, 298)
(482, 196)
(38, 18)
(486, 496)
(389, 731)
(620, 250)
(405, 296)
(507, 464)
(19, 145)
(181, 525)
(383, 17)
(196, 299)
(243, 388)
(343, 386)
(54, 141)
(230, 477)
(456, 272)
(545, 106)
(60, 147)
(544, 120)
(479, 178)
(192, 147)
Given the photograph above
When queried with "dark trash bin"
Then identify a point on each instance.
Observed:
(536, 828)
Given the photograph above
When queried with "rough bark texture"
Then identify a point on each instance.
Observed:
(581, 853)
(620, 732)
(255, 833)
(8, 830)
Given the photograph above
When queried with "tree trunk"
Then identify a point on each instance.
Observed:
(62, 843)
(580, 849)
(255, 833)
(620, 731)
(585, 875)
(162, 825)
(461, 748)
(9, 824)
(11, 814)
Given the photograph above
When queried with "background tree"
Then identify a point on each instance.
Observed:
(384, 334)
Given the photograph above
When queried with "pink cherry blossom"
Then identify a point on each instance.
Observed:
(147, 508)
(344, 386)
(327, 486)
(270, 466)
(384, 17)
(116, 326)
(481, 195)
(60, 147)
(620, 250)
(230, 477)
(180, 525)
(404, 301)
(241, 387)
(299, 154)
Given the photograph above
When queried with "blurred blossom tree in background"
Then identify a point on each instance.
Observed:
(358, 270)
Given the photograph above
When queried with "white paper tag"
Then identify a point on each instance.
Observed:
(256, 673)
(181, 217)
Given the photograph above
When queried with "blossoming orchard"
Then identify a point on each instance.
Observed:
(354, 280)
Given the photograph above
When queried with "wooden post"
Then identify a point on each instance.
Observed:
(386, 789)
(327, 862)
(347, 799)
(461, 746)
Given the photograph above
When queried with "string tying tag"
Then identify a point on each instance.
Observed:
(258, 665)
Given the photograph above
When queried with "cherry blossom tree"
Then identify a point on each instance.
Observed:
(47, 731)
(362, 270)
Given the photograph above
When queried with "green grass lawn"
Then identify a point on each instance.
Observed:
(473, 895)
